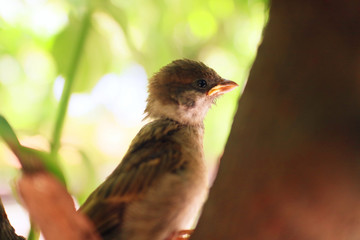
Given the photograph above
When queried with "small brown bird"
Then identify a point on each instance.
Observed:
(161, 183)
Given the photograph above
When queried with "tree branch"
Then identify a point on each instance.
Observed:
(53, 210)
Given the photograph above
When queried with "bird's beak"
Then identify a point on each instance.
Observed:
(222, 87)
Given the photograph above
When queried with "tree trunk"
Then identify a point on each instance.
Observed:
(291, 167)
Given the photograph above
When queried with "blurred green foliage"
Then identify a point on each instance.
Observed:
(32, 160)
(107, 48)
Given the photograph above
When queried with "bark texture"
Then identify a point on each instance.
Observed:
(6, 230)
(291, 167)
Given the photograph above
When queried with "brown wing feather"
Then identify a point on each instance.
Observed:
(143, 165)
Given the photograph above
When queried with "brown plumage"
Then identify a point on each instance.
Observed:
(161, 182)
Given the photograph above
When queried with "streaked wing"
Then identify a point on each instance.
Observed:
(141, 168)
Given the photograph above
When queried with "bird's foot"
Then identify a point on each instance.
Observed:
(184, 234)
(180, 235)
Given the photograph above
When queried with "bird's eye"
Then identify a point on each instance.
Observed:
(201, 83)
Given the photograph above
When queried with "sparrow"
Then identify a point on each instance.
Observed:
(161, 182)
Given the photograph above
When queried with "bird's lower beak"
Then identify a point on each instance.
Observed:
(223, 87)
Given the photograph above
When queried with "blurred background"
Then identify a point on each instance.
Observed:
(105, 50)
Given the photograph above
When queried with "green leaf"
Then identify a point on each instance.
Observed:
(64, 45)
(8, 134)
(95, 60)
(31, 160)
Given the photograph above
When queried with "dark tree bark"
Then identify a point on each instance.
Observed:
(291, 167)
(6, 230)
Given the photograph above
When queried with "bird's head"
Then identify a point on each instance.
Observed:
(184, 91)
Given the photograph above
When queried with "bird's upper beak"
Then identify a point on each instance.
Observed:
(222, 87)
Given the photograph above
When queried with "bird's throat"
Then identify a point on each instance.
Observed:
(183, 114)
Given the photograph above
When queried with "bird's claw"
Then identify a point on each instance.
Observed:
(184, 234)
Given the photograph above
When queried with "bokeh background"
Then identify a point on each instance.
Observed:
(108, 49)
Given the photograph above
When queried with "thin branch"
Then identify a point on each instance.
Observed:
(69, 82)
